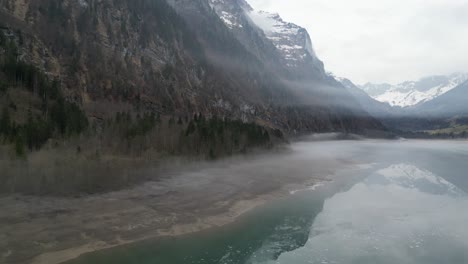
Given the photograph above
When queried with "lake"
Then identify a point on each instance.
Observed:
(401, 202)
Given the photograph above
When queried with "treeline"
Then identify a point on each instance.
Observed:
(56, 116)
(126, 133)
(216, 136)
(191, 136)
(128, 149)
(129, 133)
(436, 135)
(130, 128)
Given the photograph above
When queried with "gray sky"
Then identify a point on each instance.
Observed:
(382, 40)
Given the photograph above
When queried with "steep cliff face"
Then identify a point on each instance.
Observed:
(292, 41)
(286, 50)
(110, 50)
(135, 52)
(180, 57)
(292, 46)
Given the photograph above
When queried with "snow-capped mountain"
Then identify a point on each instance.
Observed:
(414, 92)
(230, 12)
(276, 57)
(291, 41)
(372, 106)
(449, 105)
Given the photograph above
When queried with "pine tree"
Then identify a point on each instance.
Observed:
(5, 123)
(19, 146)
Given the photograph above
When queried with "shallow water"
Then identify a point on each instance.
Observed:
(405, 202)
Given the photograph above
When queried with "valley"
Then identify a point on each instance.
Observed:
(211, 131)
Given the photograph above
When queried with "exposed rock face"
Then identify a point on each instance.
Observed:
(292, 42)
(179, 57)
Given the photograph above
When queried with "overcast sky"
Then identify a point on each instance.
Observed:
(382, 40)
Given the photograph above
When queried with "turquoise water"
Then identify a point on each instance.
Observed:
(406, 203)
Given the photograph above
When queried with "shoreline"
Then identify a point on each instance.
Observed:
(63, 256)
(53, 230)
(236, 211)
(47, 230)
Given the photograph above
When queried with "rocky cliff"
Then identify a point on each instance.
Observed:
(182, 57)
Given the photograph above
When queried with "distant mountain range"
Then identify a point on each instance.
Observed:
(411, 93)
(372, 106)
(444, 108)
(451, 104)
(185, 58)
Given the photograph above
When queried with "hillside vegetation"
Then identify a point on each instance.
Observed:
(92, 91)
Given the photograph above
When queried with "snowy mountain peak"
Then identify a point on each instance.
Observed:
(411, 93)
(292, 41)
(230, 12)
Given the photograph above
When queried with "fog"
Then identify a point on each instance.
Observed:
(323, 93)
(195, 196)
(285, 90)
(382, 41)
(311, 198)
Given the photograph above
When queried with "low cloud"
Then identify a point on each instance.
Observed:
(382, 41)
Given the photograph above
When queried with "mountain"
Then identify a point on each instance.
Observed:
(150, 62)
(288, 43)
(286, 51)
(292, 41)
(400, 120)
(411, 93)
(377, 109)
(449, 105)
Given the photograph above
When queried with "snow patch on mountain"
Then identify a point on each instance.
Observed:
(226, 13)
(266, 21)
(271, 23)
(414, 92)
(229, 20)
(292, 41)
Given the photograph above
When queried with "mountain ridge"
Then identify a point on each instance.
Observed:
(411, 93)
(450, 104)
(291, 42)
(175, 59)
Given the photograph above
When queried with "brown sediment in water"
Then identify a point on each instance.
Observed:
(230, 216)
(47, 230)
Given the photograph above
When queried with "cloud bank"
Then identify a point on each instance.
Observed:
(385, 40)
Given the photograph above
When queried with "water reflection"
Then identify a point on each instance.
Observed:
(411, 177)
(261, 235)
(399, 214)
(390, 212)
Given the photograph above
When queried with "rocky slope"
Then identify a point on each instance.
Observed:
(378, 109)
(452, 104)
(411, 93)
(182, 57)
(286, 50)
(292, 43)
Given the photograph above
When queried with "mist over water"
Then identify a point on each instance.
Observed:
(400, 214)
(398, 202)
